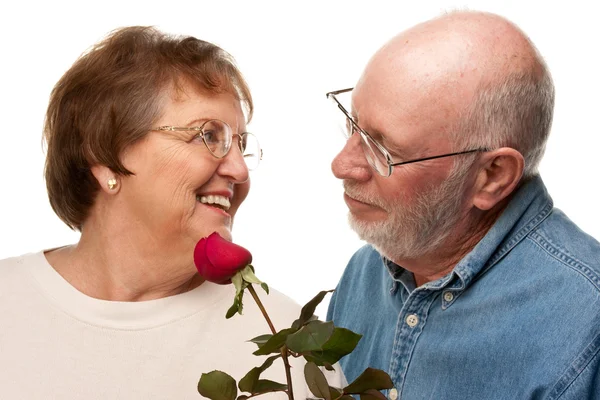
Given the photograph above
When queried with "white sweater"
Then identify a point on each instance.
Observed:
(57, 343)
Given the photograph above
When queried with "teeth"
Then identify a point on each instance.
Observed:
(215, 199)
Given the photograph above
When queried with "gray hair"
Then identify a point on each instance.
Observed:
(514, 110)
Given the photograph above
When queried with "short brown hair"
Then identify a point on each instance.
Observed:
(110, 98)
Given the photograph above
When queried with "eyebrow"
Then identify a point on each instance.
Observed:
(378, 136)
(197, 122)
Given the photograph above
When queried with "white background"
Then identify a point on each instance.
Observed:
(292, 53)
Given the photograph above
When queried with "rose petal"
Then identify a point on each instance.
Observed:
(224, 254)
(217, 259)
(200, 260)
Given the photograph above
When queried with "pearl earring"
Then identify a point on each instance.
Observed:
(112, 183)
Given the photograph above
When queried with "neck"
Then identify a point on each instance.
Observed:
(439, 262)
(110, 264)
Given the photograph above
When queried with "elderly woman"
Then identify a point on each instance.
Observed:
(147, 152)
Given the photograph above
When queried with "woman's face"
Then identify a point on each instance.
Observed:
(174, 173)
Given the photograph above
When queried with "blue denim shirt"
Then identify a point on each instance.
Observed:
(517, 318)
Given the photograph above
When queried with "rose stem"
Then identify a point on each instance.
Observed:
(284, 350)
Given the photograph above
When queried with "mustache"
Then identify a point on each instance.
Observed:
(353, 190)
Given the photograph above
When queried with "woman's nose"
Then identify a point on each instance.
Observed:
(233, 164)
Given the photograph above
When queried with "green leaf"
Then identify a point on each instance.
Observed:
(248, 275)
(320, 358)
(232, 310)
(371, 378)
(372, 394)
(217, 385)
(274, 344)
(238, 305)
(309, 309)
(235, 308)
(342, 342)
(316, 381)
(249, 381)
(266, 386)
(237, 281)
(262, 339)
(328, 366)
(265, 287)
(246, 397)
(310, 337)
(335, 393)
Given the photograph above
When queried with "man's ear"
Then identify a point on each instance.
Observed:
(498, 177)
(107, 179)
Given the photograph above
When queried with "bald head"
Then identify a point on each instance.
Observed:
(474, 43)
(432, 79)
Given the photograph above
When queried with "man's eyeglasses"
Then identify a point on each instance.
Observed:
(218, 136)
(377, 156)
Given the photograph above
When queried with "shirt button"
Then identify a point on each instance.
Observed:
(393, 394)
(412, 320)
(448, 296)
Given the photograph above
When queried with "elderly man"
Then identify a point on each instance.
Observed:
(472, 286)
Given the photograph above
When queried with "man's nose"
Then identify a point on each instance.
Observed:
(351, 163)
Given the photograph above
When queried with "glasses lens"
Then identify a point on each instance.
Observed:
(374, 155)
(250, 150)
(217, 136)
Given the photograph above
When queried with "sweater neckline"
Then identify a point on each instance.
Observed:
(121, 315)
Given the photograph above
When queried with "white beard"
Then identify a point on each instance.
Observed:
(413, 231)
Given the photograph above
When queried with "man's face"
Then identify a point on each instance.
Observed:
(412, 230)
(410, 213)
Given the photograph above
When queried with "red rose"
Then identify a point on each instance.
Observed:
(217, 259)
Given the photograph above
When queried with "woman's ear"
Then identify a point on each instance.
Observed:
(107, 179)
(498, 177)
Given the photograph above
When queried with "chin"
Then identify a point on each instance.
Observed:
(205, 232)
(225, 232)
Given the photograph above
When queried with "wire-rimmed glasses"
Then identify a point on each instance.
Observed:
(218, 136)
(377, 155)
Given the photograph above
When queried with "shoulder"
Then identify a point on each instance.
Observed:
(570, 248)
(13, 264)
(364, 256)
(15, 274)
(10, 262)
(365, 268)
(365, 253)
(362, 282)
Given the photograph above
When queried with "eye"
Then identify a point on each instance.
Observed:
(211, 136)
